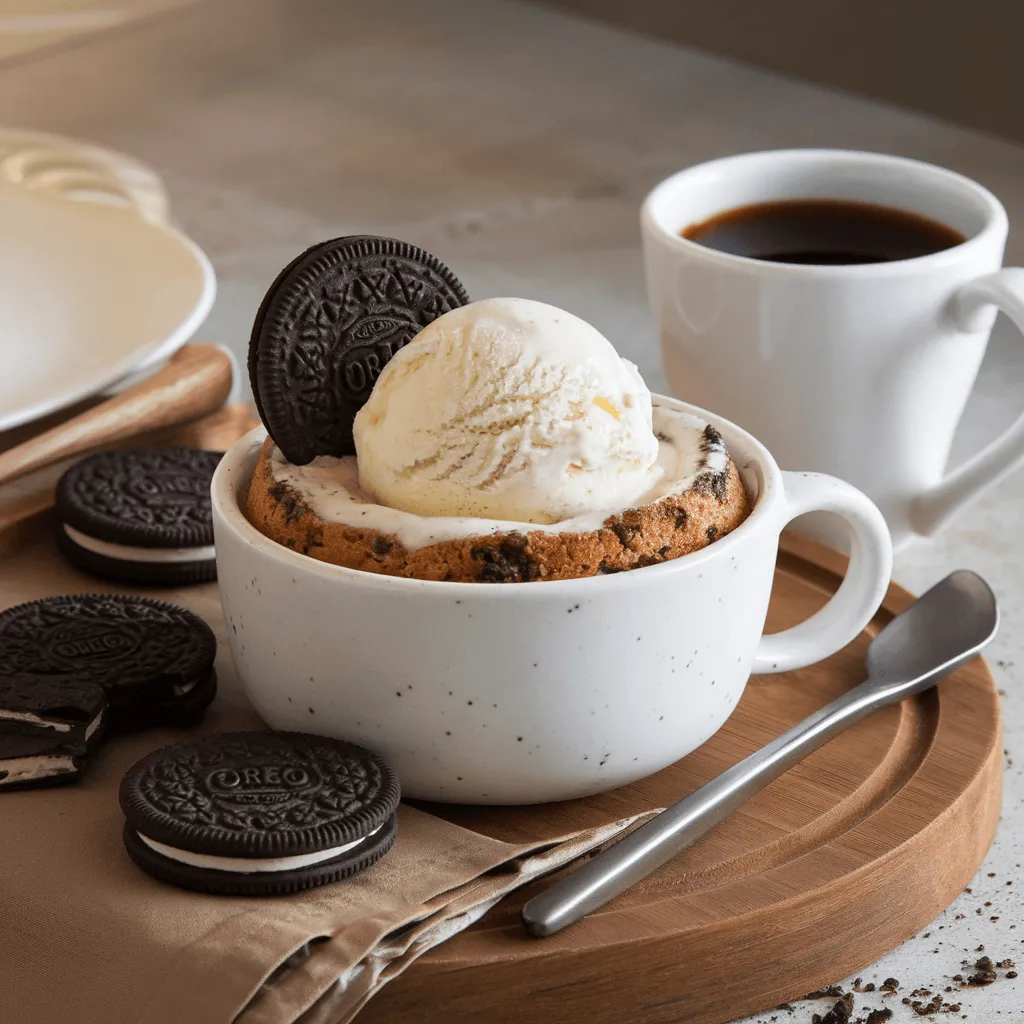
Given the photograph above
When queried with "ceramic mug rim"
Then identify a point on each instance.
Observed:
(744, 448)
(994, 226)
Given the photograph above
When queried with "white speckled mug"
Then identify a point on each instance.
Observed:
(528, 692)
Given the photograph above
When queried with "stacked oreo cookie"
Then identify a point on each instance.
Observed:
(258, 813)
(74, 668)
(140, 515)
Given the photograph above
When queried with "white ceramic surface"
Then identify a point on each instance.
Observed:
(94, 284)
(861, 371)
(522, 693)
(74, 169)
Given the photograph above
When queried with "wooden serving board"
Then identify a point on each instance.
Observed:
(837, 862)
(840, 860)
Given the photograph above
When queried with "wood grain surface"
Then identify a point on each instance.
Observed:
(195, 382)
(154, 415)
(840, 860)
(843, 858)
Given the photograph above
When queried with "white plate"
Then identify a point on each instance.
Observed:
(94, 284)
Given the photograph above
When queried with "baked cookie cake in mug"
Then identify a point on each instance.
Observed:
(414, 433)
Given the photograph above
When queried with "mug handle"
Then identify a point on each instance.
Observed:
(850, 609)
(972, 305)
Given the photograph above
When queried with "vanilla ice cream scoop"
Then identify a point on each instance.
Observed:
(508, 409)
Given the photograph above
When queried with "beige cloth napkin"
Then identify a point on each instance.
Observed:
(86, 936)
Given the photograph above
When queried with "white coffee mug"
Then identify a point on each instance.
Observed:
(525, 692)
(861, 370)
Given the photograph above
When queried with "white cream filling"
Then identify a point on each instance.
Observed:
(40, 722)
(250, 865)
(130, 553)
(37, 720)
(25, 769)
(331, 488)
(93, 726)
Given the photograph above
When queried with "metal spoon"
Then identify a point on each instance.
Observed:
(938, 633)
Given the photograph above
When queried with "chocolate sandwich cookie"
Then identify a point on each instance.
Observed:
(57, 707)
(258, 813)
(328, 325)
(140, 515)
(48, 729)
(185, 708)
(153, 660)
(29, 760)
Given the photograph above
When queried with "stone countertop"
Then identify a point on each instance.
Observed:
(517, 143)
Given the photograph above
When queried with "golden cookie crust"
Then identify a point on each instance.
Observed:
(672, 526)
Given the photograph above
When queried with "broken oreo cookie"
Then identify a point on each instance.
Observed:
(153, 660)
(57, 707)
(326, 328)
(48, 729)
(140, 515)
(37, 759)
(258, 813)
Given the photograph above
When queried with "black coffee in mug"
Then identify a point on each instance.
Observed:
(823, 232)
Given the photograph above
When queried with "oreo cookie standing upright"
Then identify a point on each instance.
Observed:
(326, 328)
(258, 813)
(140, 515)
(153, 660)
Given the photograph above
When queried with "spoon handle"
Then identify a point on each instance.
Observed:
(638, 854)
(196, 381)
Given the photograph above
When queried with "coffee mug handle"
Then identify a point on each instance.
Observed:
(972, 306)
(850, 609)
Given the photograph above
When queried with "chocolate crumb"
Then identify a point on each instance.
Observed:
(1011, 974)
(985, 973)
(508, 562)
(681, 518)
(711, 483)
(890, 985)
(626, 532)
(832, 992)
(645, 560)
(382, 546)
(289, 502)
(712, 533)
(878, 1016)
(839, 1014)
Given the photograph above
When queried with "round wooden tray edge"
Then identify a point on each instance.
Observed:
(764, 947)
